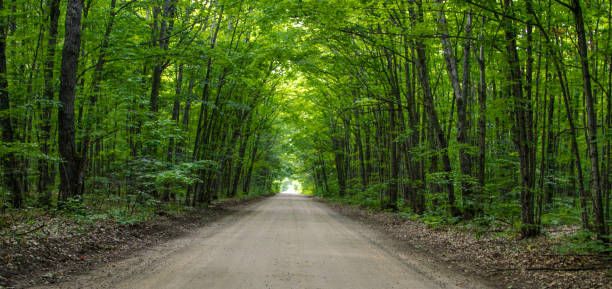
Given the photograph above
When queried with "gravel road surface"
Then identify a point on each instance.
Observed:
(286, 241)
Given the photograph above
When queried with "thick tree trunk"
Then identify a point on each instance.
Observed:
(9, 163)
(69, 167)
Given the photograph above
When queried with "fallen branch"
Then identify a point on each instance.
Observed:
(562, 230)
(554, 269)
(578, 255)
(31, 231)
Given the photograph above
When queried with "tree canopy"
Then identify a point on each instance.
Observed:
(476, 111)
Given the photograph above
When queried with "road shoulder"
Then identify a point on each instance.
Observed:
(111, 252)
(423, 258)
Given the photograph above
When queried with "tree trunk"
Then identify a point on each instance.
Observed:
(69, 167)
(45, 182)
(415, 190)
(338, 158)
(247, 181)
(577, 164)
(323, 175)
(432, 116)
(599, 223)
(159, 38)
(393, 181)
(522, 131)
(482, 120)
(241, 153)
(391, 203)
(461, 100)
(176, 107)
(205, 92)
(9, 163)
(358, 143)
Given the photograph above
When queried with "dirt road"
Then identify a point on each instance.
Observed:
(284, 242)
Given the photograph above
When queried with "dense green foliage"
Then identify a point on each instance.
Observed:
(478, 111)
(460, 110)
(175, 101)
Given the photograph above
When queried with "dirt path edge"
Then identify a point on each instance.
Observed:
(498, 262)
(37, 261)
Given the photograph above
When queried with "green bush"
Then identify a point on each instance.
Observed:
(583, 243)
(74, 206)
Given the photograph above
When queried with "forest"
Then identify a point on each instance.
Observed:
(482, 113)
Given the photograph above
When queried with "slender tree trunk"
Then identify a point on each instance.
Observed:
(182, 142)
(240, 159)
(324, 174)
(228, 157)
(358, 143)
(607, 185)
(176, 107)
(247, 181)
(599, 223)
(391, 203)
(45, 182)
(432, 115)
(160, 38)
(461, 99)
(393, 182)
(368, 151)
(465, 158)
(92, 119)
(482, 119)
(415, 190)
(205, 92)
(522, 131)
(338, 158)
(577, 164)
